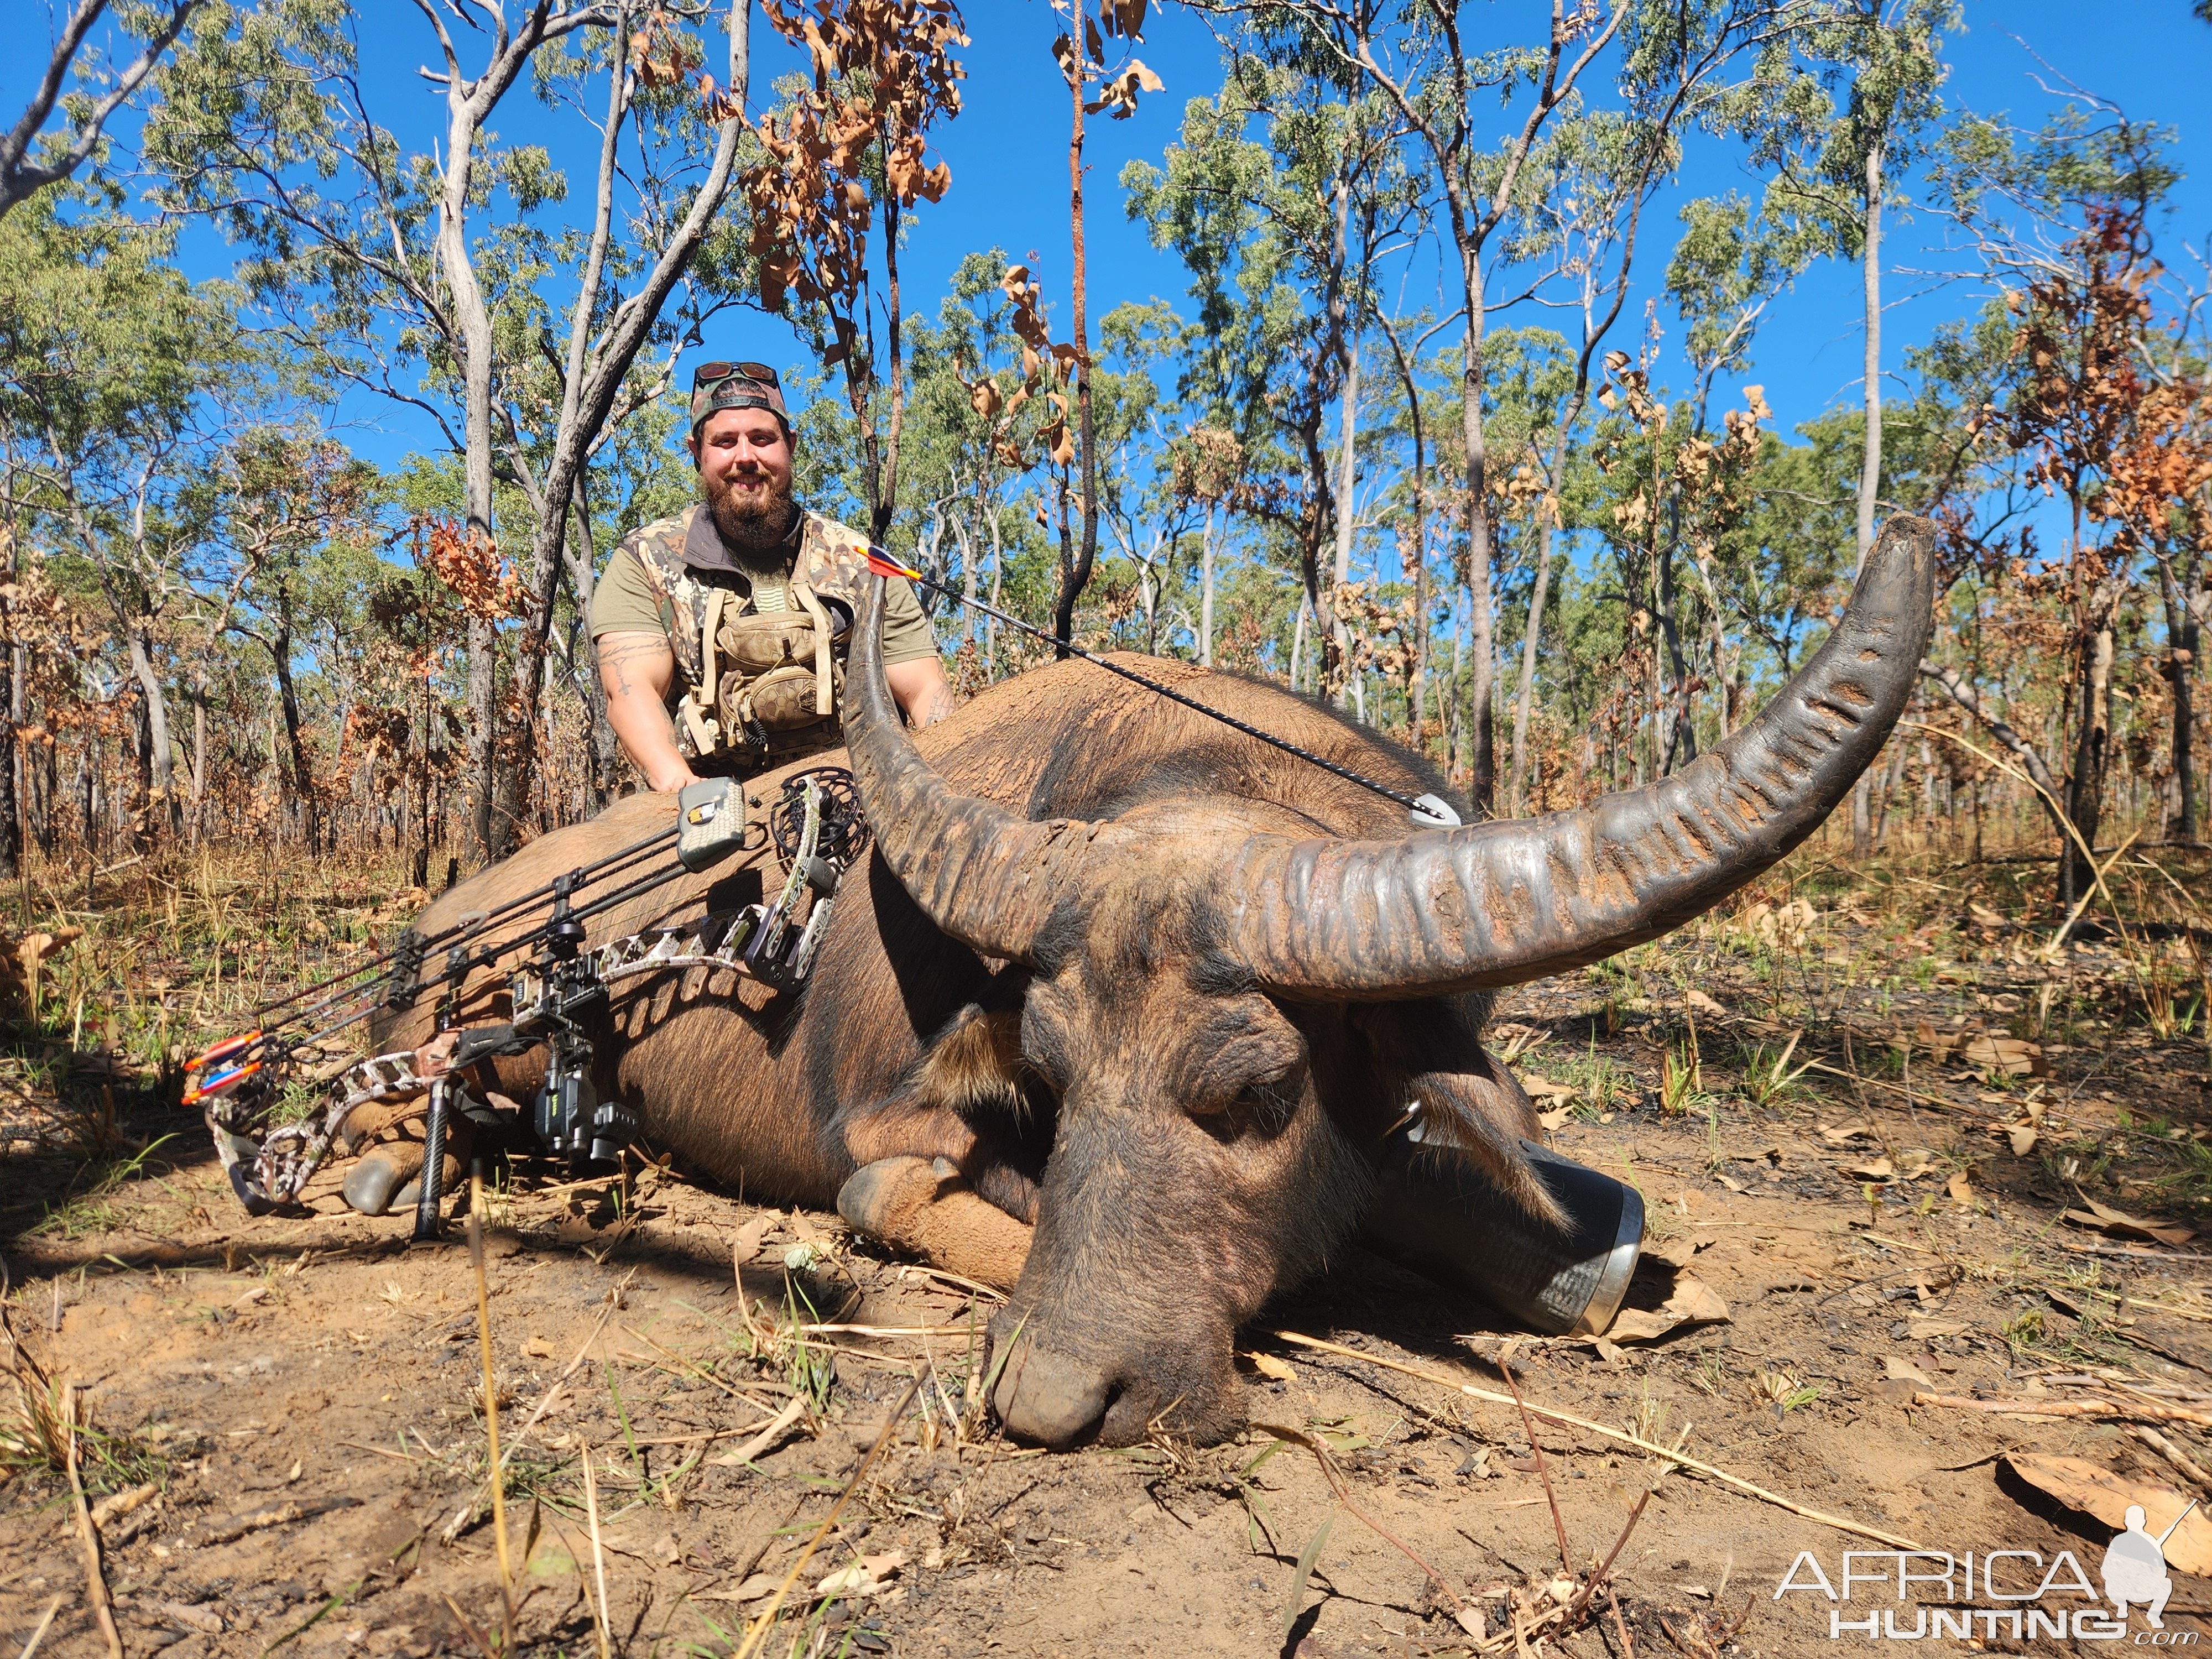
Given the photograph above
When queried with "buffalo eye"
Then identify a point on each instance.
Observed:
(1260, 1067)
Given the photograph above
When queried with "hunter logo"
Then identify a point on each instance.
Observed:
(2029, 1598)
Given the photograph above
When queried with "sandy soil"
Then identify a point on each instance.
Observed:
(302, 1393)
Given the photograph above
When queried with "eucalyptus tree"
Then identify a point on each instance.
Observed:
(1420, 59)
(443, 278)
(113, 368)
(1285, 194)
(25, 166)
(1834, 161)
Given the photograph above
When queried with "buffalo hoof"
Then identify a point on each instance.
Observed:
(376, 1179)
(1048, 1398)
(924, 1205)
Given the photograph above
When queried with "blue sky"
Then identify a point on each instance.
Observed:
(1009, 161)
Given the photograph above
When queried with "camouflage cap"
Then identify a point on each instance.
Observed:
(716, 386)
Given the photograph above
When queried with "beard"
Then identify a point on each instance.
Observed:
(750, 517)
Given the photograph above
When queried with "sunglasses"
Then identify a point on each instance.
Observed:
(708, 374)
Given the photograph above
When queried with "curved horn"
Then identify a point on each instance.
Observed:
(985, 877)
(1501, 902)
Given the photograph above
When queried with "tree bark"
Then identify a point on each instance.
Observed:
(2181, 638)
(1205, 591)
(1870, 463)
(11, 836)
(160, 757)
(1524, 694)
(288, 700)
(1075, 574)
(2093, 754)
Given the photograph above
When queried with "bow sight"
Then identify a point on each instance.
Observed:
(246, 1084)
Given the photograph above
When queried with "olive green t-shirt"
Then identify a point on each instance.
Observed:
(623, 602)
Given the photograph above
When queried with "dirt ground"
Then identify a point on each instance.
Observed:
(302, 1395)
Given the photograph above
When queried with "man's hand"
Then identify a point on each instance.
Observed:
(635, 670)
(921, 691)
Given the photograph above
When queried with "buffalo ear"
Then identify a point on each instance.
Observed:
(976, 1063)
(1483, 1115)
(1469, 1103)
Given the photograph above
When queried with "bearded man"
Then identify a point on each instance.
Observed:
(721, 632)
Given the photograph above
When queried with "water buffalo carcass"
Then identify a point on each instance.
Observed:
(1162, 991)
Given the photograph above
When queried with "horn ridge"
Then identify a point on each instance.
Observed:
(1502, 903)
(985, 877)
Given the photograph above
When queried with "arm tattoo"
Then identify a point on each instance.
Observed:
(617, 651)
(935, 704)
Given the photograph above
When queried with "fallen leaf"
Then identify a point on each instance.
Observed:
(1692, 1302)
(2094, 1490)
(1844, 1134)
(2002, 1055)
(1611, 1352)
(1921, 1329)
(1880, 1170)
(807, 1231)
(1914, 1162)
(1471, 1620)
(1269, 1366)
(1939, 1044)
(1539, 1087)
(1984, 915)
(1556, 1118)
(2119, 1224)
(2023, 1140)
(1903, 1371)
(747, 1244)
(1961, 1188)
(537, 1347)
(860, 1578)
(1703, 1004)
(753, 1589)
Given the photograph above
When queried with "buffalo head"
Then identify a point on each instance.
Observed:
(1233, 1010)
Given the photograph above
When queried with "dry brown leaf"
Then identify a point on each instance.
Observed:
(1118, 92)
(2094, 1490)
(1703, 1004)
(1692, 1302)
(537, 1347)
(750, 1236)
(1999, 1055)
(1843, 1134)
(760, 1585)
(1895, 1370)
(1556, 1118)
(2120, 1225)
(1269, 1366)
(1961, 1188)
(1880, 1170)
(1939, 1044)
(1537, 1086)
(2023, 1140)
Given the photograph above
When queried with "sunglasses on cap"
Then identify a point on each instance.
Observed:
(708, 374)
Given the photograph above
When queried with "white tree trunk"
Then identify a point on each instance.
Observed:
(1870, 463)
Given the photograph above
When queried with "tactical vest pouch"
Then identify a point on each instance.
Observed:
(769, 684)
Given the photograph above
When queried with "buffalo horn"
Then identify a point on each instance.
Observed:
(1501, 902)
(981, 874)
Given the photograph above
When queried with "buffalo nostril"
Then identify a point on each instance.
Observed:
(1049, 1397)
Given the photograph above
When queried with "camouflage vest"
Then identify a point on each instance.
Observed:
(757, 689)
